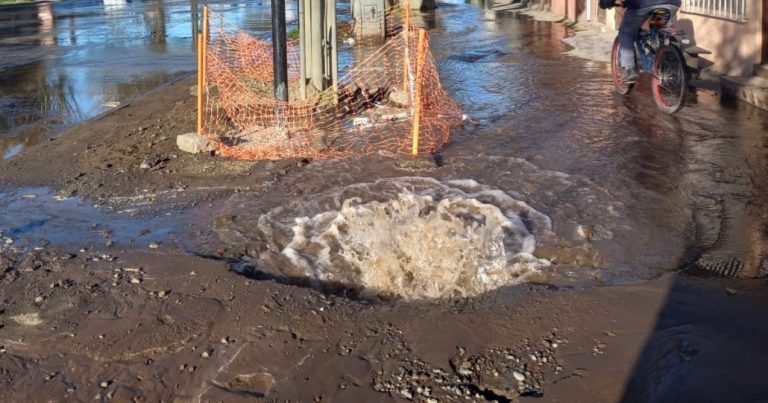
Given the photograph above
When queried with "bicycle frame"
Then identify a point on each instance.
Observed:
(648, 41)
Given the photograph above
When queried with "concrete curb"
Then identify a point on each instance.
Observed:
(749, 89)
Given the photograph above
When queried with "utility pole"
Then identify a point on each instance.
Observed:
(279, 50)
(318, 58)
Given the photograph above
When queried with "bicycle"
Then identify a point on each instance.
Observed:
(659, 51)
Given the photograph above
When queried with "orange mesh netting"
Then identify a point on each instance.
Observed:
(388, 100)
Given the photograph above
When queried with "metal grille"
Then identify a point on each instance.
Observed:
(729, 9)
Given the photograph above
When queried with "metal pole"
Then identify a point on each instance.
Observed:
(279, 50)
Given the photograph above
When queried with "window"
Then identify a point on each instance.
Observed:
(728, 9)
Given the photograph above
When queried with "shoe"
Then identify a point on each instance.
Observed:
(629, 76)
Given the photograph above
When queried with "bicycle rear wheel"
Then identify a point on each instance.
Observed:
(669, 83)
(621, 87)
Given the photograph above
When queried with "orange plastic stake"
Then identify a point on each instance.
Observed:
(200, 84)
(206, 35)
(420, 59)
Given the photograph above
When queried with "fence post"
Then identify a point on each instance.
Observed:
(206, 34)
(417, 103)
(200, 74)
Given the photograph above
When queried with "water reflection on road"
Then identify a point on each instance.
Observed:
(700, 174)
(61, 63)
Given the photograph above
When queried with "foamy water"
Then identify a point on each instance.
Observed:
(439, 242)
(411, 237)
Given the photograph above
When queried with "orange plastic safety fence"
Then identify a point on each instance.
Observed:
(371, 112)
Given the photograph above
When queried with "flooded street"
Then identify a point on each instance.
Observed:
(568, 243)
(700, 174)
(631, 193)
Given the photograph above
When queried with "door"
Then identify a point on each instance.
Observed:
(765, 31)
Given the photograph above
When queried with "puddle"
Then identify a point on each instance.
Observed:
(36, 217)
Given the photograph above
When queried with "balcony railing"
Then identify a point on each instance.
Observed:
(735, 10)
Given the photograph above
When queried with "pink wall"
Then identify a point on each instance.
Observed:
(736, 46)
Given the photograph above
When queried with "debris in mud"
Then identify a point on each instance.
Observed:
(27, 319)
(153, 163)
(497, 374)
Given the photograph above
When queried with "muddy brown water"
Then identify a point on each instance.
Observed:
(631, 193)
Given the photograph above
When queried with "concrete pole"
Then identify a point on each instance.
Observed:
(302, 53)
(334, 50)
(316, 32)
(279, 50)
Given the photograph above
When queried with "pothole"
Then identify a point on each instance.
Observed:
(411, 238)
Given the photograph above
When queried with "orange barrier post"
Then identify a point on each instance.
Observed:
(200, 83)
(205, 46)
(420, 59)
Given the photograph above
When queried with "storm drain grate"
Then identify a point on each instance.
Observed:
(728, 267)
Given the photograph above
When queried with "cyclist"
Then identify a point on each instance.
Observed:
(636, 13)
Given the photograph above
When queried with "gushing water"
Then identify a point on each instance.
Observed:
(413, 238)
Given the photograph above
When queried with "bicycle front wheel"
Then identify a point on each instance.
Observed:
(621, 87)
(669, 82)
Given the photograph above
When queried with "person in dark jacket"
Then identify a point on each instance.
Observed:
(636, 13)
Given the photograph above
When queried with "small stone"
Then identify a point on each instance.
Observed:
(153, 245)
(39, 300)
(135, 280)
(518, 376)
(205, 354)
(104, 384)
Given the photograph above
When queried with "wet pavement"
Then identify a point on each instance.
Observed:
(700, 174)
(65, 62)
(659, 192)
